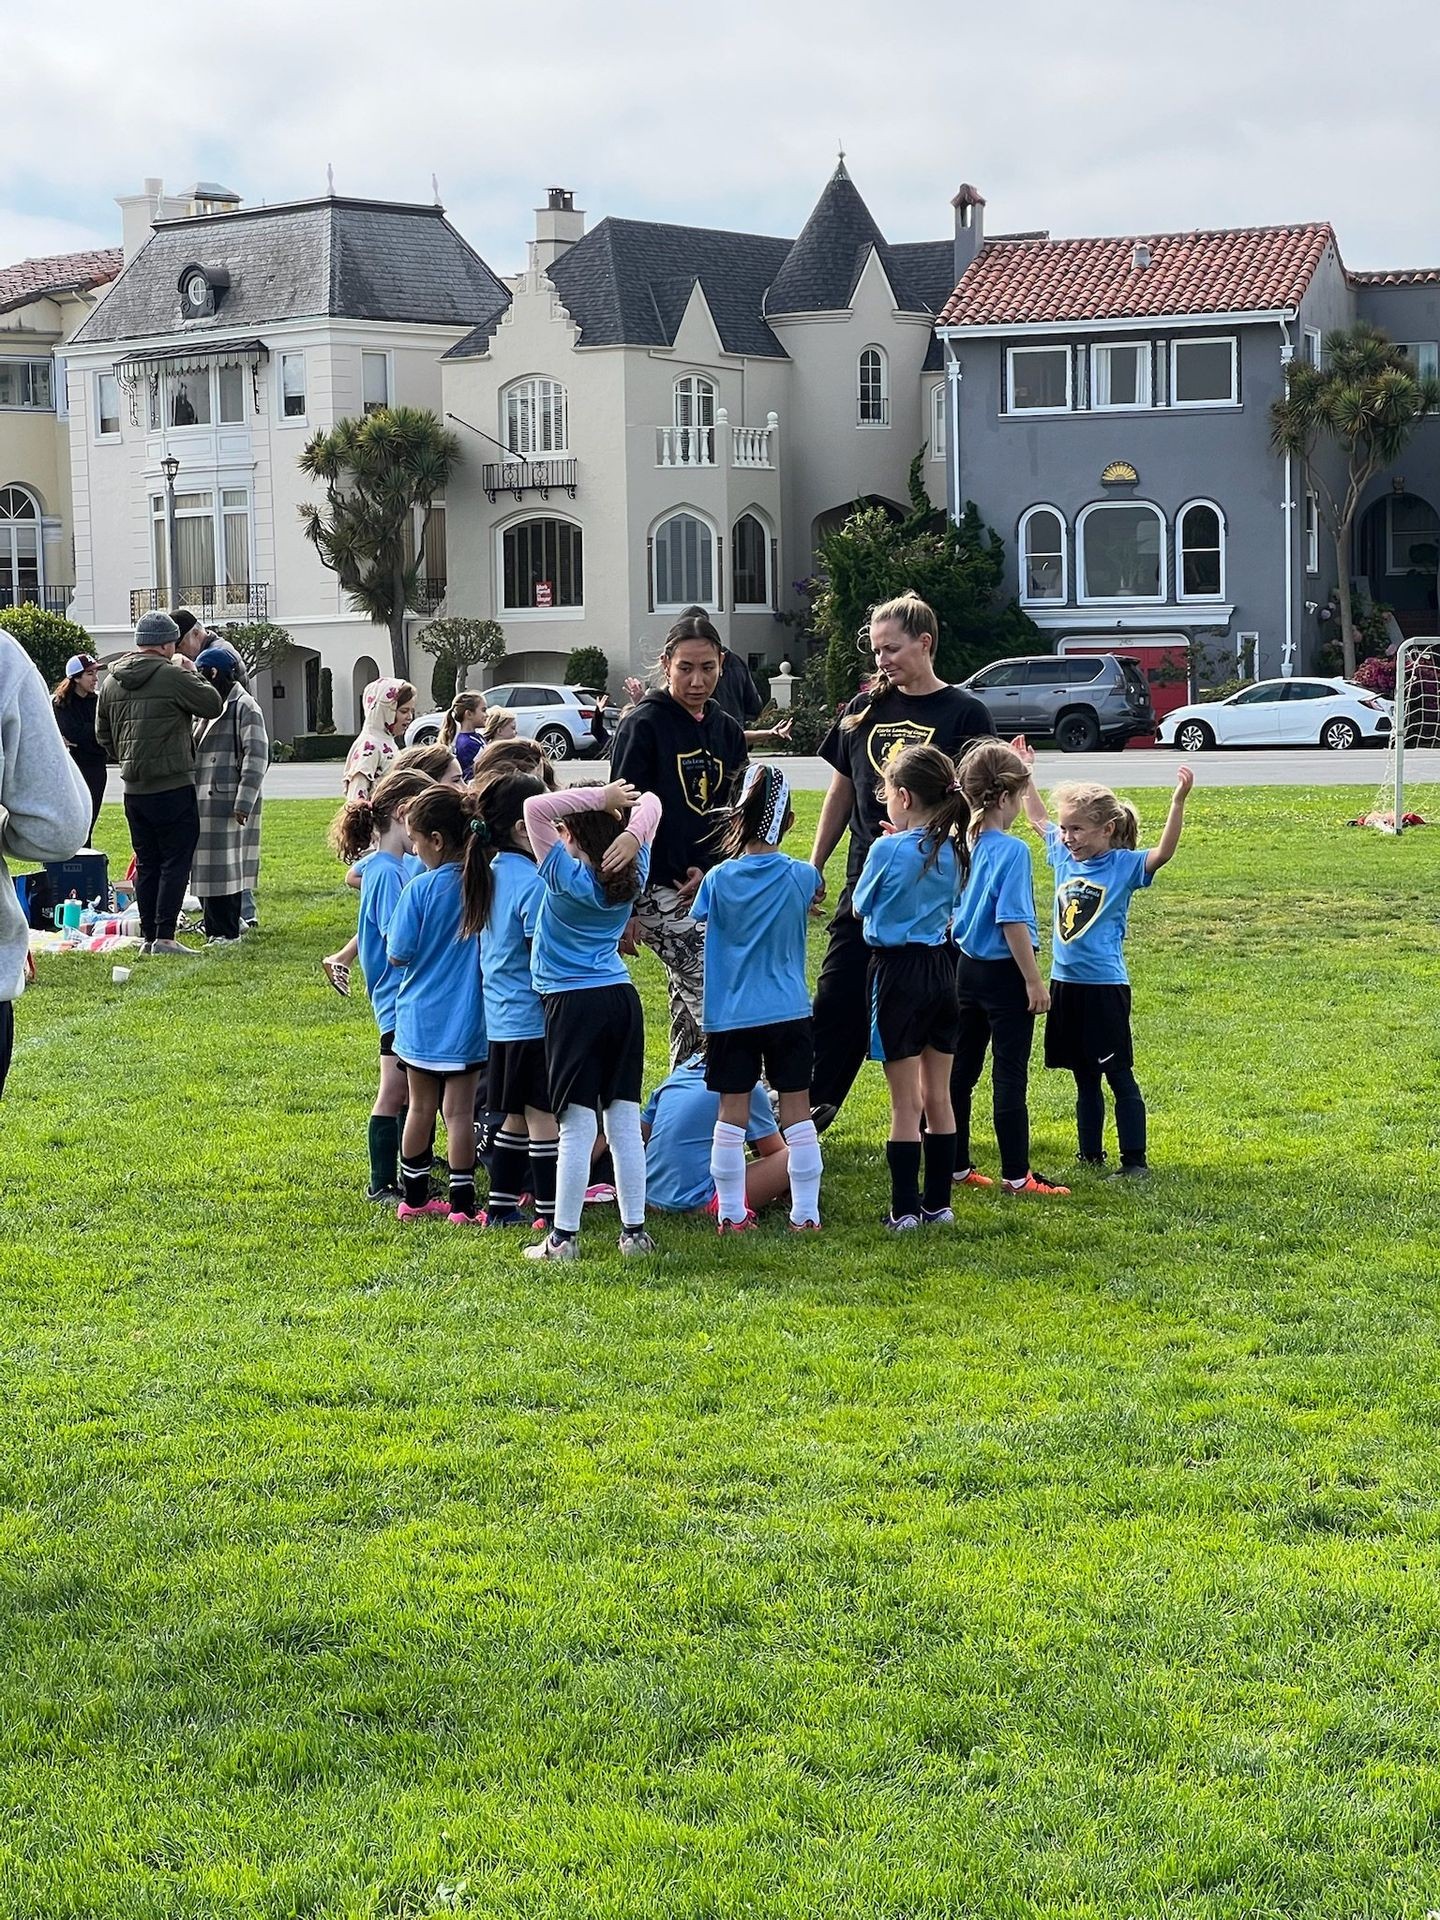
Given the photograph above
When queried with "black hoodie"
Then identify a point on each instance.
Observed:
(693, 766)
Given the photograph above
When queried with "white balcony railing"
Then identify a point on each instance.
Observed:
(710, 446)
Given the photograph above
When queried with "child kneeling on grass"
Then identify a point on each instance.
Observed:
(593, 865)
(1098, 866)
(439, 1006)
(755, 909)
(679, 1127)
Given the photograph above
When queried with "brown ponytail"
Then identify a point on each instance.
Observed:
(594, 832)
(359, 823)
(454, 721)
(930, 776)
(914, 618)
(990, 773)
(495, 812)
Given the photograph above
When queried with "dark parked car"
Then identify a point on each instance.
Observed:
(1083, 700)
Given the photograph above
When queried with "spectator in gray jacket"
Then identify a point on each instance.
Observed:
(148, 706)
(44, 812)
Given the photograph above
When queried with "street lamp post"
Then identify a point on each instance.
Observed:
(170, 466)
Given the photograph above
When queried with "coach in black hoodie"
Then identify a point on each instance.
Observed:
(679, 745)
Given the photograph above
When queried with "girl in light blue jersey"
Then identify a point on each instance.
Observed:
(905, 899)
(755, 909)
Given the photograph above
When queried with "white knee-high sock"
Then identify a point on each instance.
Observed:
(627, 1150)
(727, 1169)
(578, 1128)
(805, 1167)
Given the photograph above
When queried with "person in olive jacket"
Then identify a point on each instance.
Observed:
(146, 720)
(678, 744)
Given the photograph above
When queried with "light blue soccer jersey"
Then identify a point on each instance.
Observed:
(382, 881)
(1000, 892)
(901, 901)
(756, 913)
(512, 1006)
(577, 931)
(1092, 906)
(440, 1007)
(681, 1115)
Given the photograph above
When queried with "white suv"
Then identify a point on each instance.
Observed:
(566, 721)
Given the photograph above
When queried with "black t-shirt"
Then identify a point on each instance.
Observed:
(946, 719)
(692, 766)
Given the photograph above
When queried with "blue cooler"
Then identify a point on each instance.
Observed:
(86, 875)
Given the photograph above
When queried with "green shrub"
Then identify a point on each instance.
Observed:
(320, 746)
(588, 667)
(49, 638)
(259, 643)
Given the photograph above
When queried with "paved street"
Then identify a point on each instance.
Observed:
(1149, 768)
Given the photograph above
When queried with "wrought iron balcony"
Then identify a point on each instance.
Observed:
(52, 599)
(230, 601)
(428, 597)
(528, 476)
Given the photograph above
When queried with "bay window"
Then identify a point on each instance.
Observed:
(1122, 552)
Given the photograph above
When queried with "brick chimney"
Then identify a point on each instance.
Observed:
(969, 205)
(558, 225)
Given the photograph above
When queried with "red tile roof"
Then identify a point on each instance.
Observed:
(1398, 277)
(1238, 270)
(57, 273)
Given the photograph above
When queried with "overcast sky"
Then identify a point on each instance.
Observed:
(1119, 116)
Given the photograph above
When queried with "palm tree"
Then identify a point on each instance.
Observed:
(377, 472)
(1364, 402)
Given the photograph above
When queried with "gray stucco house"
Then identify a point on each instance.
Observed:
(1108, 407)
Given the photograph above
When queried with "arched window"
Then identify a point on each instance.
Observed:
(541, 566)
(536, 418)
(1200, 563)
(873, 389)
(694, 401)
(750, 563)
(683, 562)
(1043, 570)
(1122, 551)
(693, 442)
(22, 561)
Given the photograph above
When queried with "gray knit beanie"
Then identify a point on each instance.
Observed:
(156, 630)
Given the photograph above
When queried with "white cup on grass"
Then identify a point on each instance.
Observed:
(119, 975)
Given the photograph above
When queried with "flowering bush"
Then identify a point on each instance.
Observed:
(1377, 676)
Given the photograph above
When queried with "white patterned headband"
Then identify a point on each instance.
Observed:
(777, 800)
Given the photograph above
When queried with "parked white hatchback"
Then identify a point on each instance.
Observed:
(1334, 714)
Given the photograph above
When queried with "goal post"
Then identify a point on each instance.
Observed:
(1415, 743)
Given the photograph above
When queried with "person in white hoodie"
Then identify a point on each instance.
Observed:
(44, 812)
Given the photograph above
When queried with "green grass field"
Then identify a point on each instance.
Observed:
(1082, 1561)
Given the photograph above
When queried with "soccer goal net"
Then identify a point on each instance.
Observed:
(1410, 793)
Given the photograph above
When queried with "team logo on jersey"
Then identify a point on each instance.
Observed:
(892, 737)
(1076, 904)
(700, 777)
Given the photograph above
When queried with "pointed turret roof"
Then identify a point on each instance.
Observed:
(823, 267)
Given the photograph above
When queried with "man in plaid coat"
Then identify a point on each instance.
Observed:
(232, 753)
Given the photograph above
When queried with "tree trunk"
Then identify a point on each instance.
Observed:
(399, 652)
(1347, 612)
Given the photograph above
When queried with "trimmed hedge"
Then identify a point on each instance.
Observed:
(320, 746)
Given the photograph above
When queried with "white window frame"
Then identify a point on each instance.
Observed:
(938, 422)
(1012, 354)
(282, 418)
(530, 388)
(766, 603)
(1391, 500)
(1180, 550)
(388, 359)
(1207, 340)
(883, 382)
(1088, 599)
(1143, 385)
(100, 433)
(1314, 346)
(544, 512)
(1047, 600)
(684, 510)
(216, 513)
(46, 360)
(11, 523)
(704, 396)
(215, 373)
(1312, 531)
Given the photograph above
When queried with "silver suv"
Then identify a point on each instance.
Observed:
(1083, 700)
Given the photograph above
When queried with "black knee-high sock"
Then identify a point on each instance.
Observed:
(508, 1159)
(904, 1159)
(415, 1178)
(543, 1157)
(384, 1142)
(462, 1190)
(939, 1170)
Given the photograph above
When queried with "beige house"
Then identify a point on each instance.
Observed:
(233, 334)
(665, 416)
(42, 303)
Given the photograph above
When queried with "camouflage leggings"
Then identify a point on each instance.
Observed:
(679, 944)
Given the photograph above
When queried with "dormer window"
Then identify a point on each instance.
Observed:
(201, 290)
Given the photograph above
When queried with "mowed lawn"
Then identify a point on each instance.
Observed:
(1084, 1560)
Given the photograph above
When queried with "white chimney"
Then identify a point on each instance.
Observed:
(558, 225)
(1141, 256)
(140, 211)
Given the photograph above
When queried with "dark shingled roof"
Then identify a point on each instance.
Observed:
(57, 273)
(308, 259)
(823, 267)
